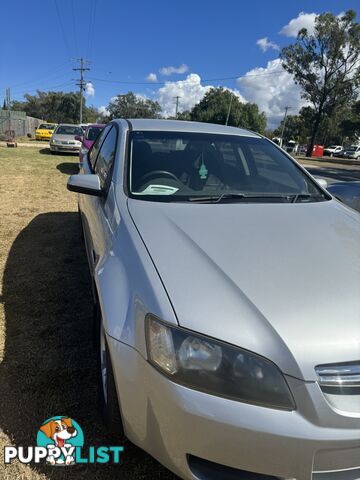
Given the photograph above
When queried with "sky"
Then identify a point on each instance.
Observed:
(158, 49)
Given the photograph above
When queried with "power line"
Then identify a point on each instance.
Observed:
(205, 80)
(81, 82)
(68, 82)
(62, 26)
(91, 28)
(53, 74)
(74, 27)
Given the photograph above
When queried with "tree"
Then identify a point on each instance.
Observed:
(326, 64)
(296, 129)
(251, 118)
(133, 106)
(185, 115)
(350, 127)
(219, 105)
(58, 107)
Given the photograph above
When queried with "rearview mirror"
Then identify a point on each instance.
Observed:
(88, 184)
(322, 182)
(79, 138)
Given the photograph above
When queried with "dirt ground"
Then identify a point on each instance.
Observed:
(47, 364)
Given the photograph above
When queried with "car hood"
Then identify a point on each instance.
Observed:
(281, 280)
(64, 138)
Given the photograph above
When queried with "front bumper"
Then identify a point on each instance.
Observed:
(173, 422)
(64, 148)
(42, 137)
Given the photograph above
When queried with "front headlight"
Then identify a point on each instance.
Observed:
(215, 367)
(83, 150)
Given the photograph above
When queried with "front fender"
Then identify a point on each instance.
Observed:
(128, 287)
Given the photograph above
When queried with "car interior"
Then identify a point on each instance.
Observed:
(194, 166)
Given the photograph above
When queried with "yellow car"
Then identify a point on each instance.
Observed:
(44, 131)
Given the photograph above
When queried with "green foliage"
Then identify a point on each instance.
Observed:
(185, 115)
(350, 126)
(296, 128)
(326, 64)
(133, 106)
(58, 107)
(219, 102)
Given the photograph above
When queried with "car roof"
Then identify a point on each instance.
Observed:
(96, 125)
(182, 126)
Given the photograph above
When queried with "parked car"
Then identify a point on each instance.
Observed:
(347, 192)
(292, 147)
(44, 131)
(302, 150)
(333, 151)
(88, 138)
(352, 152)
(226, 285)
(63, 138)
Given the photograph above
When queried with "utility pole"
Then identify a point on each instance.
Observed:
(7, 102)
(229, 109)
(177, 105)
(81, 82)
(283, 127)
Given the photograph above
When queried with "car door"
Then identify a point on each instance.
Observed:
(99, 211)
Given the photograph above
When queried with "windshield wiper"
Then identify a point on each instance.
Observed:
(306, 196)
(239, 196)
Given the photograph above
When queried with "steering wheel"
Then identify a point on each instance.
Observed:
(155, 173)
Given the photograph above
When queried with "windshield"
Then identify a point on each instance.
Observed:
(69, 130)
(92, 133)
(46, 126)
(172, 166)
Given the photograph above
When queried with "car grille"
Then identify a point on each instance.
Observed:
(340, 383)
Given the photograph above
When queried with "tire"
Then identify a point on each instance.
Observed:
(107, 395)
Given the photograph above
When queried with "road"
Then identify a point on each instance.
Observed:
(333, 173)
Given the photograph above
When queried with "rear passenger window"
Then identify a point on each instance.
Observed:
(106, 157)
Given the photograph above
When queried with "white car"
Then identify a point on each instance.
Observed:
(352, 152)
(227, 307)
(334, 150)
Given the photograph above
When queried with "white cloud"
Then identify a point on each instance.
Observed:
(170, 70)
(103, 110)
(265, 44)
(190, 91)
(303, 20)
(272, 88)
(152, 77)
(89, 89)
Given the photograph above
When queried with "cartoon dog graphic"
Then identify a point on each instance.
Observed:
(59, 431)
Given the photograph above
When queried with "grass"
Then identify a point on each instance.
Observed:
(47, 364)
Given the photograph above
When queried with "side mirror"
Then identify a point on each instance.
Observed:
(322, 182)
(89, 184)
(79, 138)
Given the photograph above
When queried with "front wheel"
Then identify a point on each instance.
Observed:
(108, 399)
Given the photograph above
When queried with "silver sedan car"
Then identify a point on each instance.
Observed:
(63, 139)
(227, 289)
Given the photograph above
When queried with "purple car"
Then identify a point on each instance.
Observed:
(90, 135)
